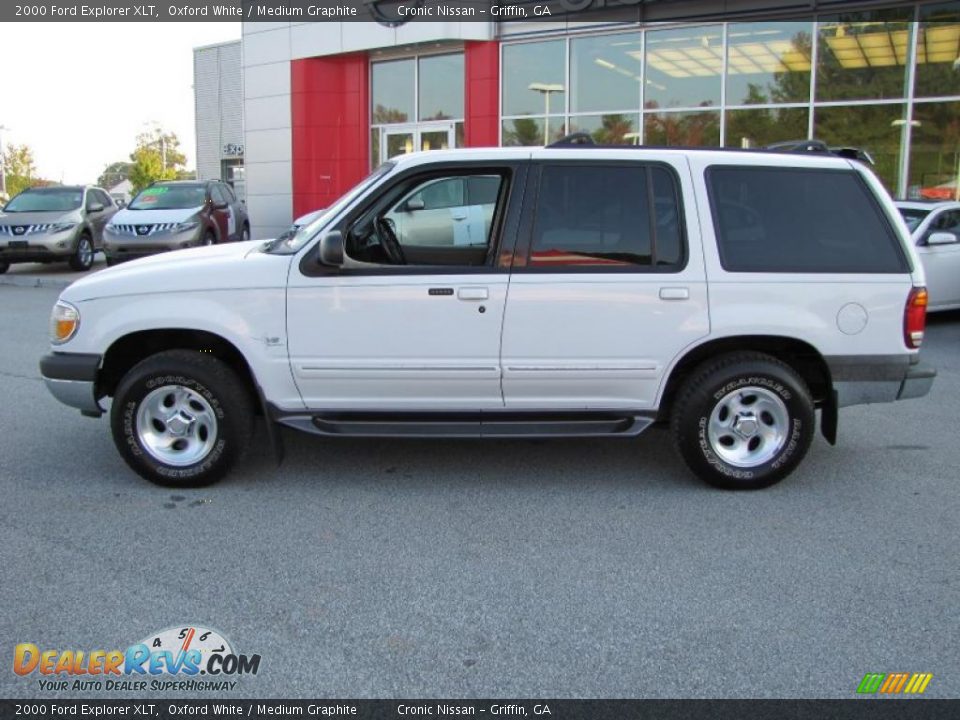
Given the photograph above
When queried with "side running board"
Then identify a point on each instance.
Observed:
(490, 425)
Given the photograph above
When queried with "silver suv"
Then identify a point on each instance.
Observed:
(53, 224)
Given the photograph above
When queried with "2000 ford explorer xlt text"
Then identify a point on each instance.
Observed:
(517, 292)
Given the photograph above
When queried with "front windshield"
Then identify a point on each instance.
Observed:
(169, 197)
(290, 244)
(46, 200)
(913, 217)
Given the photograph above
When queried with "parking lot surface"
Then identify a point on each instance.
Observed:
(500, 568)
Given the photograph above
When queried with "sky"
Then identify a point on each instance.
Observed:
(79, 93)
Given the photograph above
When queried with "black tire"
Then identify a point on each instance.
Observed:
(209, 238)
(747, 404)
(245, 233)
(203, 378)
(4, 266)
(82, 258)
(111, 261)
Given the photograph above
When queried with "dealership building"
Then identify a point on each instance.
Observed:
(325, 102)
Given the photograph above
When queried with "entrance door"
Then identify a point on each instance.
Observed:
(403, 139)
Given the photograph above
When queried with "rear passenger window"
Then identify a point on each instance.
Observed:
(800, 220)
(607, 216)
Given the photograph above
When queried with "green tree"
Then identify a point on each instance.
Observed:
(156, 157)
(20, 171)
(114, 173)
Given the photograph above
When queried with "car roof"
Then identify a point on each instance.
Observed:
(718, 156)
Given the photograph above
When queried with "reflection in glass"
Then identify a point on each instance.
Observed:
(441, 87)
(540, 64)
(375, 148)
(935, 151)
(434, 140)
(863, 55)
(768, 62)
(874, 128)
(532, 131)
(759, 127)
(605, 72)
(684, 67)
(399, 144)
(689, 129)
(609, 129)
(938, 50)
(393, 91)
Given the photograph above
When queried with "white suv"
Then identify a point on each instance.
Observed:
(519, 292)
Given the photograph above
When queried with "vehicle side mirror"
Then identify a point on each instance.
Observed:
(95, 208)
(331, 248)
(413, 204)
(941, 238)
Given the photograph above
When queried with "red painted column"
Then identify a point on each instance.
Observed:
(330, 119)
(482, 120)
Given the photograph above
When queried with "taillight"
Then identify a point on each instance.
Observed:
(915, 317)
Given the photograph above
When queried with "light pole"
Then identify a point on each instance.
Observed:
(3, 164)
(546, 89)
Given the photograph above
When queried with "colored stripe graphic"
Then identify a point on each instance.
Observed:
(894, 683)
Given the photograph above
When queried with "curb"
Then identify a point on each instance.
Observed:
(33, 281)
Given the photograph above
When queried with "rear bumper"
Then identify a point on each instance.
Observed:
(72, 379)
(862, 380)
(917, 383)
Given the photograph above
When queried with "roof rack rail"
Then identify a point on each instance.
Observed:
(819, 146)
(573, 139)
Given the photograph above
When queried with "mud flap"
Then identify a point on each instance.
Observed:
(829, 417)
(273, 431)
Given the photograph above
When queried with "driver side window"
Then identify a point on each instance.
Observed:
(438, 221)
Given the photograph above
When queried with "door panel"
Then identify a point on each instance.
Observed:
(606, 300)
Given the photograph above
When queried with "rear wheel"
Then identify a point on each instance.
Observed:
(181, 419)
(111, 261)
(743, 421)
(4, 266)
(245, 233)
(82, 258)
(208, 238)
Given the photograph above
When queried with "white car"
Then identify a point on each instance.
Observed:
(575, 291)
(935, 227)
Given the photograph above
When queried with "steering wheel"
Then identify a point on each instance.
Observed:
(389, 241)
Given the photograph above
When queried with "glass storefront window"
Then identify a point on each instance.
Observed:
(532, 131)
(689, 129)
(605, 72)
(440, 87)
(863, 55)
(935, 151)
(393, 91)
(542, 65)
(609, 129)
(684, 67)
(874, 128)
(757, 127)
(938, 50)
(769, 62)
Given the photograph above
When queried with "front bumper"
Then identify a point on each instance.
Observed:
(124, 246)
(37, 247)
(72, 379)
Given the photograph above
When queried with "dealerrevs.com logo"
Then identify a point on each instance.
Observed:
(187, 657)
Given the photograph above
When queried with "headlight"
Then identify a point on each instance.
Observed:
(64, 321)
(61, 227)
(184, 226)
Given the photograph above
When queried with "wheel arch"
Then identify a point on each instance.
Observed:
(130, 349)
(803, 357)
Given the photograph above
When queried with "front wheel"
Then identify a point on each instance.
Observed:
(4, 266)
(181, 419)
(82, 258)
(743, 421)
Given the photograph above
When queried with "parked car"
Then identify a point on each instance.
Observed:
(54, 224)
(731, 294)
(935, 227)
(173, 215)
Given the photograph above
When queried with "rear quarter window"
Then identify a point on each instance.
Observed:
(771, 219)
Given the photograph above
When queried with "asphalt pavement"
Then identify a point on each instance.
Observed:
(593, 568)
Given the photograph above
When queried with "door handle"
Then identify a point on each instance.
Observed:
(473, 293)
(674, 293)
